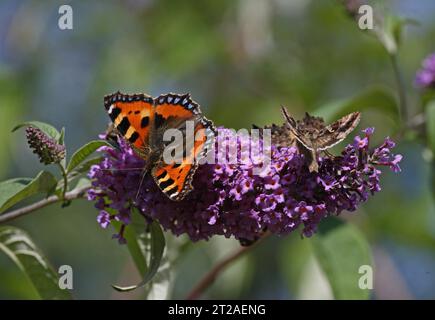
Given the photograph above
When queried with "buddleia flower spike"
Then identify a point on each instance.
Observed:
(48, 149)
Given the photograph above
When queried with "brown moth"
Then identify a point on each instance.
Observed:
(313, 135)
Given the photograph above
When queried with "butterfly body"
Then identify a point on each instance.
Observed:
(142, 121)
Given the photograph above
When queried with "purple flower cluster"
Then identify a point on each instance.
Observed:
(47, 149)
(425, 77)
(229, 199)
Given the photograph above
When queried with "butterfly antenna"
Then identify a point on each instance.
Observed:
(125, 169)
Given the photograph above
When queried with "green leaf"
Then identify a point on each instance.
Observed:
(158, 288)
(392, 32)
(138, 241)
(44, 127)
(430, 124)
(293, 258)
(15, 190)
(18, 246)
(83, 183)
(84, 167)
(395, 26)
(62, 136)
(80, 155)
(150, 244)
(427, 96)
(341, 250)
(375, 98)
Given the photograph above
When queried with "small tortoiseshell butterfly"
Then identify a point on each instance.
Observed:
(142, 121)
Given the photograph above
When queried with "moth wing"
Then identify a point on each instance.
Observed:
(338, 131)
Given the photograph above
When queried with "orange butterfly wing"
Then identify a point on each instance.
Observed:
(175, 179)
(132, 116)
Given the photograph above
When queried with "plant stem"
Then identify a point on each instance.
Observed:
(65, 179)
(403, 104)
(68, 196)
(209, 278)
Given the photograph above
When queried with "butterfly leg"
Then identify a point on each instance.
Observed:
(145, 170)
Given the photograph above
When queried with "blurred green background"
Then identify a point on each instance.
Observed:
(240, 59)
